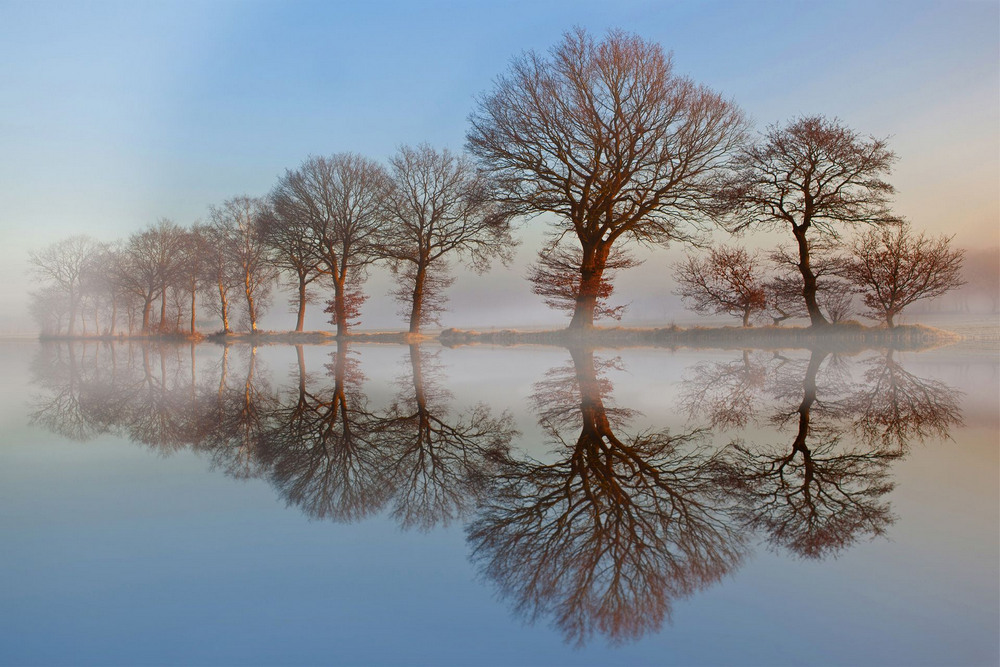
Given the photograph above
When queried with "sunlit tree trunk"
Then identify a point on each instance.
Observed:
(591, 274)
(225, 307)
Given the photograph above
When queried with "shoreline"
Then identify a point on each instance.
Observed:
(846, 336)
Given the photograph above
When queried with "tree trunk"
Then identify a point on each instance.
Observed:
(340, 306)
(300, 322)
(251, 309)
(416, 309)
(194, 293)
(889, 319)
(593, 413)
(72, 313)
(591, 275)
(808, 398)
(225, 308)
(746, 319)
(419, 395)
(146, 307)
(163, 308)
(816, 318)
(114, 315)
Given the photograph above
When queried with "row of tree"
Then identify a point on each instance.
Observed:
(600, 140)
(325, 222)
(888, 268)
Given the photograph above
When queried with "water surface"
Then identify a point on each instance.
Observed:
(167, 504)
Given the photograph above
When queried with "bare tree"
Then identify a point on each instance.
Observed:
(64, 264)
(236, 221)
(892, 268)
(607, 138)
(729, 281)
(50, 308)
(194, 268)
(784, 288)
(169, 242)
(219, 271)
(813, 174)
(288, 237)
(439, 207)
(339, 199)
(150, 263)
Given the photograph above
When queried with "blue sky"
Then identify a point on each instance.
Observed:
(115, 114)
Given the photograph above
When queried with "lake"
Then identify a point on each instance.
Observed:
(394, 504)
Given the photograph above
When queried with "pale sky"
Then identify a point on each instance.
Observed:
(114, 114)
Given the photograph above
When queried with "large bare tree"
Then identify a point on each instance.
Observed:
(440, 207)
(605, 136)
(815, 177)
(339, 198)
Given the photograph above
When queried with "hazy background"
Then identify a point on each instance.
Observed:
(115, 114)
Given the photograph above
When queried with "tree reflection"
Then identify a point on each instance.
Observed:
(826, 491)
(726, 392)
(606, 536)
(438, 463)
(894, 406)
(322, 449)
(814, 499)
(321, 444)
(68, 408)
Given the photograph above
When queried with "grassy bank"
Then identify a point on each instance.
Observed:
(835, 336)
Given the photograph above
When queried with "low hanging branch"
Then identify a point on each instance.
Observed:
(556, 278)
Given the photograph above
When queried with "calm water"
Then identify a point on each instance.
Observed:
(392, 504)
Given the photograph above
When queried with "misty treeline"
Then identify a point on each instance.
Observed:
(598, 140)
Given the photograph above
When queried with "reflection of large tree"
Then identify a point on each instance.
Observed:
(821, 495)
(439, 462)
(603, 538)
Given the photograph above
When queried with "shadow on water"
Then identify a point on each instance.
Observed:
(602, 536)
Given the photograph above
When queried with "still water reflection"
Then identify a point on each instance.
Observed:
(599, 519)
